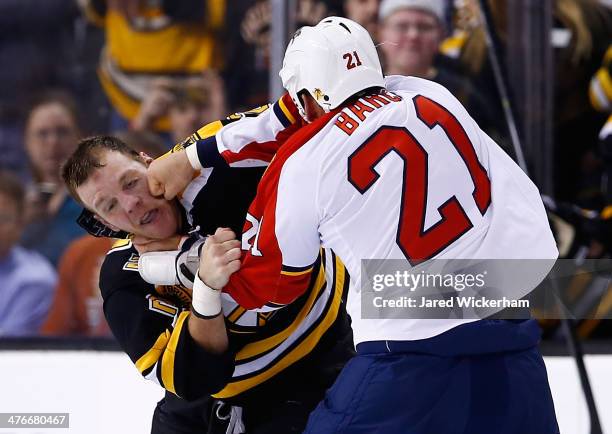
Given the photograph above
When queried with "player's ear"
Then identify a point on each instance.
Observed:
(105, 223)
(145, 158)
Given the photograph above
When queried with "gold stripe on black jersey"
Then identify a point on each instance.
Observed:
(121, 244)
(263, 317)
(318, 287)
(274, 305)
(236, 314)
(296, 271)
(162, 306)
(322, 289)
(302, 347)
(265, 345)
(167, 372)
(132, 263)
(209, 130)
(151, 357)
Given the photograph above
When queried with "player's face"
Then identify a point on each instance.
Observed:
(411, 39)
(51, 136)
(118, 193)
(10, 224)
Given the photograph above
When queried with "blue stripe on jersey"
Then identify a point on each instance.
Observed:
(278, 111)
(208, 154)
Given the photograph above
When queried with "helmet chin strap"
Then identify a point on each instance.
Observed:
(300, 108)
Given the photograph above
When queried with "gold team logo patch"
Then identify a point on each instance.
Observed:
(132, 263)
(162, 306)
(177, 293)
(249, 114)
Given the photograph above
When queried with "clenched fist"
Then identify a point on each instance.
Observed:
(220, 258)
(169, 175)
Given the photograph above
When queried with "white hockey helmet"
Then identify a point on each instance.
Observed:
(332, 61)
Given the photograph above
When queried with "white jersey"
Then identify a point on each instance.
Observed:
(405, 174)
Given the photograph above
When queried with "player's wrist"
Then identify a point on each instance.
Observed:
(206, 301)
(192, 155)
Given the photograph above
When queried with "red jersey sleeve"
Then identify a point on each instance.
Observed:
(280, 239)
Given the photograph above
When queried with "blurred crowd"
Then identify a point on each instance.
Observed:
(153, 71)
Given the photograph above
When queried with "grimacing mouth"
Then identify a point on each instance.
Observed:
(149, 216)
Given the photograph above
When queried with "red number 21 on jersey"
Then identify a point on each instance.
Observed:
(416, 243)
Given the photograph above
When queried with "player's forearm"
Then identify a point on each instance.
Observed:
(209, 334)
(206, 322)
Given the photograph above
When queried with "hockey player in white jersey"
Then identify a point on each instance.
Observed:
(394, 168)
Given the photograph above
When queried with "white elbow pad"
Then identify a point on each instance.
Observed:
(175, 267)
(159, 268)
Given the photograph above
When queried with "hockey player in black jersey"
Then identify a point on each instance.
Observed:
(279, 362)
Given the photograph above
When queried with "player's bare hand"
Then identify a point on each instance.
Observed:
(169, 175)
(220, 258)
(145, 245)
(155, 105)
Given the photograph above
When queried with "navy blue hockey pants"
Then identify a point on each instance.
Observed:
(389, 392)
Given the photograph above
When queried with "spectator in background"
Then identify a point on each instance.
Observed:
(146, 40)
(26, 278)
(410, 32)
(587, 26)
(600, 93)
(51, 135)
(365, 12)
(37, 51)
(247, 53)
(77, 305)
(143, 141)
(582, 30)
(188, 105)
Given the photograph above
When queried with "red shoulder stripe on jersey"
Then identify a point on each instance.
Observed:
(256, 151)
